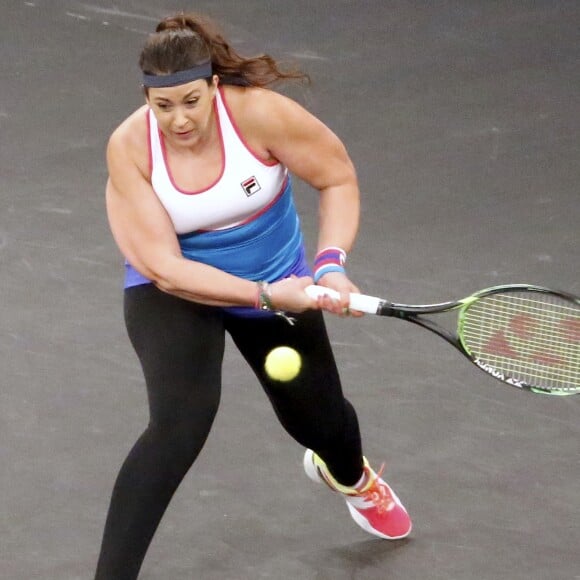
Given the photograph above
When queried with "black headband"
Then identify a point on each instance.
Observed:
(201, 71)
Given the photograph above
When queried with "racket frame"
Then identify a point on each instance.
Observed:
(415, 313)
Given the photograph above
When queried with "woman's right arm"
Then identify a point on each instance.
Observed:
(145, 235)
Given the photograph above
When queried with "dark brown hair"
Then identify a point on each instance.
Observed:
(184, 41)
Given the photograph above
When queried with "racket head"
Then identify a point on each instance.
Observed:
(526, 336)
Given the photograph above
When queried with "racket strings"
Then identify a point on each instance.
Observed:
(533, 338)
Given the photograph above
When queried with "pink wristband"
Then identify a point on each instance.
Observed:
(330, 259)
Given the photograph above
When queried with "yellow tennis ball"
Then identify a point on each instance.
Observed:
(283, 363)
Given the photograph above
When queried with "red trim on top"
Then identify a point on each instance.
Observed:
(149, 147)
(240, 136)
(168, 169)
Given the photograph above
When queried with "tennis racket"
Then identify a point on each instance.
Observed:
(526, 336)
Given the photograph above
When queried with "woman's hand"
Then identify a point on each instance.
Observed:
(289, 294)
(339, 282)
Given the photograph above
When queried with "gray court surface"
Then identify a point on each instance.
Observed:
(463, 120)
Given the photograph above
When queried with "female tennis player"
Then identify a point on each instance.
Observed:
(200, 203)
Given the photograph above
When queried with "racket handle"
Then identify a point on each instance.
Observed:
(360, 302)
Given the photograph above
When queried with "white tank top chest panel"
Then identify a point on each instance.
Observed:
(246, 186)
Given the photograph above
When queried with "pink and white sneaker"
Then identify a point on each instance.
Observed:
(374, 506)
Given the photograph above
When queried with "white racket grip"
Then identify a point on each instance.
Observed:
(360, 302)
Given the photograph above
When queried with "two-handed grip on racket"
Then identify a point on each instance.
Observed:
(360, 302)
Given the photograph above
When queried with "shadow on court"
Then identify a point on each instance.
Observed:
(462, 119)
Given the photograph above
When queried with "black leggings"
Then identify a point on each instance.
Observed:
(180, 345)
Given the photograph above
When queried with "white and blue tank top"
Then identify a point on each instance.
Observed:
(245, 223)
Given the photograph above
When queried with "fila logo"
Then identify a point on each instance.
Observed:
(250, 186)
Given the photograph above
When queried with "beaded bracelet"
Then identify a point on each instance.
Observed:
(264, 302)
(264, 297)
(330, 259)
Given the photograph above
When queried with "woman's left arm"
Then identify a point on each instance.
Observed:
(316, 155)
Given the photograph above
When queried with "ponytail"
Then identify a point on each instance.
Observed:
(186, 40)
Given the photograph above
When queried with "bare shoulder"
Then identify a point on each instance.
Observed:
(130, 140)
(256, 105)
(263, 115)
